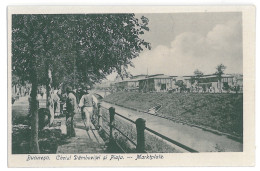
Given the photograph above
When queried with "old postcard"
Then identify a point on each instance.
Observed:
(131, 86)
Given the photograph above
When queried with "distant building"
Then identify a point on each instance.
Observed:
(163, 83)
(141, 76)
(187, 81)
(104, 85)
(238, 81)
(210, 82)
(174, 79)
(158, 83)
(130, 83)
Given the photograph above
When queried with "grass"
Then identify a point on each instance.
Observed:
(48, 139)
(221, 112)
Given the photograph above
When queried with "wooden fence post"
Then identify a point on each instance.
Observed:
(140, 126)
(100, 123)
(111, 124)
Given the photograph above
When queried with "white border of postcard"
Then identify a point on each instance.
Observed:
(245, 158)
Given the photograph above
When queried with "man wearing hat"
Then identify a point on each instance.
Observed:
(86, 104)
(71, 108)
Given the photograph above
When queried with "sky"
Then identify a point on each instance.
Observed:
(184, 42)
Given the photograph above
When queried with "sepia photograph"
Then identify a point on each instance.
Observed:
(143, 83)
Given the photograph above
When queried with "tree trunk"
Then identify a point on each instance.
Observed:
(48, 87)
(49, 100)
(219, 85)
(34, 146)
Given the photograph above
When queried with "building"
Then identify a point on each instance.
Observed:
(210, 82)
(163, 83)
(131, 83)
(174, 79)
(141, 76)
(238, 82)
(107, 84)
(187, 80)
(158, 83)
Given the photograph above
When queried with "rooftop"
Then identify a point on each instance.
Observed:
(128, 80)
(162, 76)
(155, 75)
(158, 76)
(210, 76)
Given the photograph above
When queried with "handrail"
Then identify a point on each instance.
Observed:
(130, 120)
(145, 128)
(237, 138)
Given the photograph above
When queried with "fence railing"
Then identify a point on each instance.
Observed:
(140, 130)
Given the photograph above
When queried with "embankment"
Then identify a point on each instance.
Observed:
(221, 112)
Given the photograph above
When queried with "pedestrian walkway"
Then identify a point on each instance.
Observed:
(84, 141)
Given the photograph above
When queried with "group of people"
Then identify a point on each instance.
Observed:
(20, 91)
(74, 102)
(85, 107)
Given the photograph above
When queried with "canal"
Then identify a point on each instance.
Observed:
(193, 137)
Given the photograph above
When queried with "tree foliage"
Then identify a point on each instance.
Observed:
(77, 49)
(97, 44)
(180, 84)
(197, 75)
(105, 43)
(220, 70)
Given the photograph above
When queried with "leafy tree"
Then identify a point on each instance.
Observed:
(97, 45)
(72, 49)
(106, 43)
(237, 88)
(25, 63)
(36, 42)
(181, 85)
(226, 86)
(197, 75)
(220, 71)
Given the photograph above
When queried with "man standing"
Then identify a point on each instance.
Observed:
(56, 101)
(86, 104)
(71, 107)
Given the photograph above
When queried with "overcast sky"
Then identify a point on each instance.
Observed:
(183, 42)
